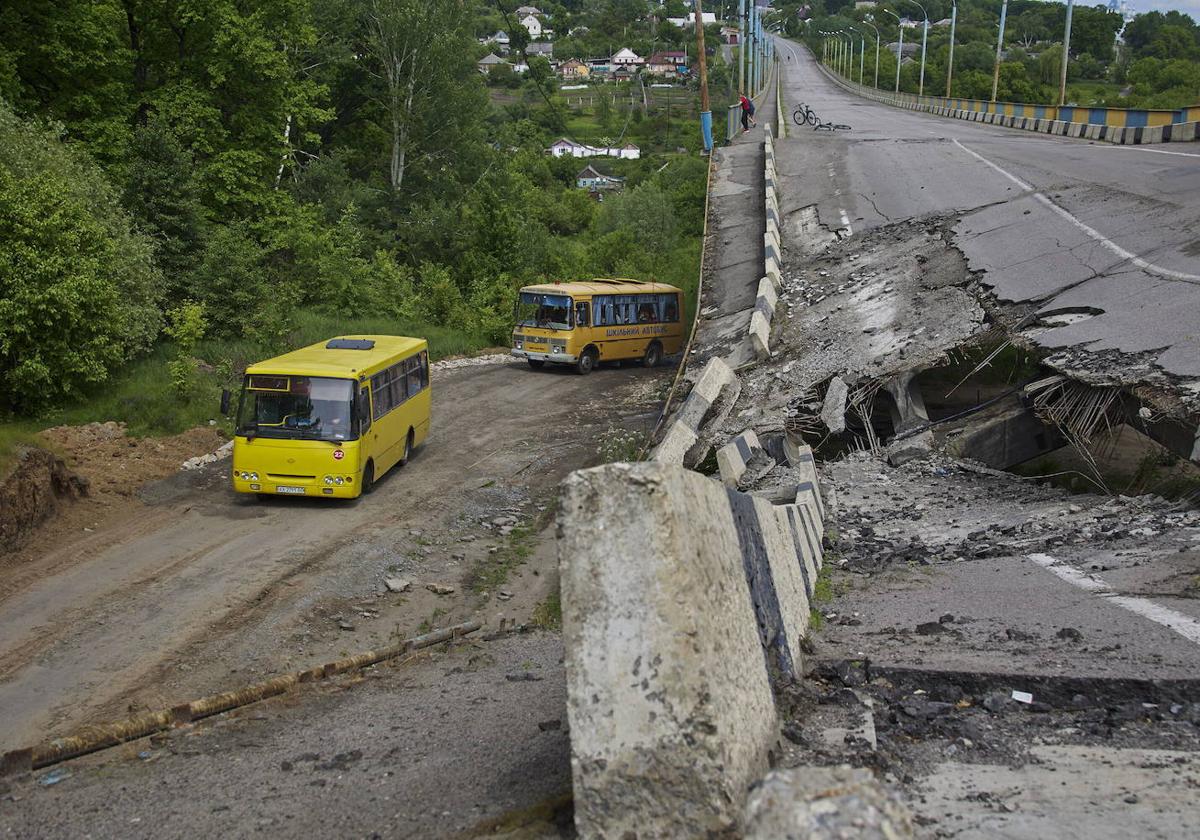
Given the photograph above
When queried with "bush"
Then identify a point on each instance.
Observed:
(78, 285)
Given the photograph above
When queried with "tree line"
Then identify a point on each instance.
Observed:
(218, 168)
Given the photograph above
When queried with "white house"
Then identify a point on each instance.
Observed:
(688, 22)
(626, 57)
(533, 25)
(569, 148)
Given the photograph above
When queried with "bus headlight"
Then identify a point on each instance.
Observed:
(339, 481)
(329, 479)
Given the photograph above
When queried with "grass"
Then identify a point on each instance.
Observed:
(12, 435)
(548, 614)
(823, 592)
(514, 551)
(141, 396)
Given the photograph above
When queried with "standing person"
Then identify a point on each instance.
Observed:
(747, 113)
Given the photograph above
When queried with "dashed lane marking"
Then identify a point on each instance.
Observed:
(1129, 256)
(1185, 626)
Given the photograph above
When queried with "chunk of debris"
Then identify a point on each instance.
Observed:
(824, 803)
(397, 584)
(910, 448)
(833, 412)
(440, 588)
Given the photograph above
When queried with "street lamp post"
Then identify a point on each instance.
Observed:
(924, 39)
(900, 46)
(876, 52)
(950, 65)
(999, 47)
(1062, 85)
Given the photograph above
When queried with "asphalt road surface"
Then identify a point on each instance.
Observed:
(1105, 237)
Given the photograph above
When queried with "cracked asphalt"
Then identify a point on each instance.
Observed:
(1107, 234)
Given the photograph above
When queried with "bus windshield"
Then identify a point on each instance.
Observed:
(297, 407)
(536, 309)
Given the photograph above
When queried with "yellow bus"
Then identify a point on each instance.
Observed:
(331, 418)
(583, 324)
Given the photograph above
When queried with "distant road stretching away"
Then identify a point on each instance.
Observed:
(1108, 234)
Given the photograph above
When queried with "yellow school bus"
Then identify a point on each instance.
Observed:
(331, 418)
(583, 324)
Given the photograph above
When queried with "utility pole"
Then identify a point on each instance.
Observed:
(1062, 85)
(999, 47)
(705, 110)
(741, 47)
(950, 65)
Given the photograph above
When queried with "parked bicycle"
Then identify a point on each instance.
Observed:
(803, 114)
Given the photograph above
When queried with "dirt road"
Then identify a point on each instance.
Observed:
(201, 590)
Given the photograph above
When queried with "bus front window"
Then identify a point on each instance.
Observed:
(535, 309)
(299, 407)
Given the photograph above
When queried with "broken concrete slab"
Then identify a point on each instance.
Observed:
(833, 410)
(909, 448)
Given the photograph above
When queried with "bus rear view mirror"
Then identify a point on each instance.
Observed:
(225, 401)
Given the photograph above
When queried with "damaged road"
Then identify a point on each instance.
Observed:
(987, 337)
(1090, 247)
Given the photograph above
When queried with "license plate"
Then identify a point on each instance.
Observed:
(296, 491)
(537, 348)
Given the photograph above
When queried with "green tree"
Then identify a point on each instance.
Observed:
(78, 286)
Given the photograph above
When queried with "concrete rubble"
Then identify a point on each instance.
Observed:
(825, 803)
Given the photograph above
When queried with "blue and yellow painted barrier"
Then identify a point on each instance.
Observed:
(1124, 126)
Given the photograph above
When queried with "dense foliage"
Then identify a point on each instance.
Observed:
(229, 169)
(1155, 63)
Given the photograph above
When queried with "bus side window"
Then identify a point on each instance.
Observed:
(364, 409)
(672, 308)
(581, 314)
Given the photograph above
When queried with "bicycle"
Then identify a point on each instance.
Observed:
(803, 114)
(831, 126)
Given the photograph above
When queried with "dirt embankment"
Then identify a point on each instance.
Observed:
(86, 474)
(36, 486)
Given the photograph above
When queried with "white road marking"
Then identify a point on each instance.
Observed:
(1184, 625)
(1143, 149)
(1129, 256)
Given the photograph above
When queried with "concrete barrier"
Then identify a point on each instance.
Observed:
(681, 600)
(1125, 135)
(711, 399)
(741, 455)
(772, 282)
(760, 319)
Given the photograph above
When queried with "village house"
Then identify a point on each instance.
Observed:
(525, 11)
(569, 148)
(573, 69)
(489, 63)
(626, 57)
(593, 180)
(542, 48)
(667, 63)
(532, 25)
(688, 22)
(500, 40)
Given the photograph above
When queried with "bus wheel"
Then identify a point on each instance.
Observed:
(586, 363)
(368, 479)
(408, 445)
(536, 364)
(653, 355)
